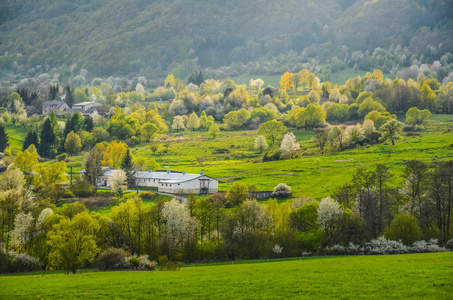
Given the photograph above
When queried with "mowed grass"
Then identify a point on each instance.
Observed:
(410, 276)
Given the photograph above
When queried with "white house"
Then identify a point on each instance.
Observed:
(167, 181)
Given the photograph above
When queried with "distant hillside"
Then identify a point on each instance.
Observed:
(151, 37)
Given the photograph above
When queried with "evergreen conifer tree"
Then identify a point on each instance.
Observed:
(47, 139)
(3, 139)
(30, 139)
(69, 96)
(89, 125)
(128, 166)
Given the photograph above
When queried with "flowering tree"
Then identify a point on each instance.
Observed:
(329, 214)
(260, 143)
(179, 227)
(289, 145)
(178, 123)
(119, 182)
(282, 190)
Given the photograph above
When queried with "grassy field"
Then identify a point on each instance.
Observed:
(339, 77)
(411, 276)
(193, 152)
(310, 174)
(16, 136)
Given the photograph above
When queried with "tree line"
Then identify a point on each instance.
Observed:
(202, 229)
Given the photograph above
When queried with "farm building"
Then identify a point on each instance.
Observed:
(167, 181)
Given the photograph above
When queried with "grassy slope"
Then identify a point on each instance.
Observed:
(339, 77)
(412, 276)
(16, 136)
(193, 152)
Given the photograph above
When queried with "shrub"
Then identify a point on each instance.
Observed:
(11, 262)
(450, 245)
(148, 195)
(383, 246)
(112, 259)
(25, 263)
(62, 157)
(272, 156)
(82, 188)
(282, 190)
(427, 247)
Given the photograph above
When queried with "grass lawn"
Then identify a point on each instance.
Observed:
(411, 276)
(16, 136)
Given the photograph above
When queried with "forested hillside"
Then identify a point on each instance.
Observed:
(151, 38)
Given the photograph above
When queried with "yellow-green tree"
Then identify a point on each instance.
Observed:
(73, 242)
(72, 144)
(114, 154)
(49, 177)
(27, 160)
(237, 193)
(148, 131)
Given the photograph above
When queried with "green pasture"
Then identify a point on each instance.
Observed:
(410, 276)
(339, 77)
(231, 157)
(16, 136)
(310, 174)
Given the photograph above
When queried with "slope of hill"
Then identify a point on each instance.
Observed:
(150, 37)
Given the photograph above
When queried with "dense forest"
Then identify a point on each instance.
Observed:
(153, 38)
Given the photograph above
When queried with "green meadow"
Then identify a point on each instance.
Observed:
(409, 276)
(310, 174)
(231, 157)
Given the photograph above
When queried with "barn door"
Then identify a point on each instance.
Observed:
(204, 186)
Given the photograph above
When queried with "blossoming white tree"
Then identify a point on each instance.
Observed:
(119, 182)
(260, 143)
(289, 145)
(179, 226)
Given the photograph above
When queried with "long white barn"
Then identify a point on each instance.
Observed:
(167, 181)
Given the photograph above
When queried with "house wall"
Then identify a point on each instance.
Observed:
(188, 187)
(148, 182)
(103, 181)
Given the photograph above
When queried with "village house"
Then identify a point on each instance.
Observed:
(86, 108)
(54, 105)
(166, 181)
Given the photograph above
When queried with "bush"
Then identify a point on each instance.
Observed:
(148, 195)
(25, 263)
(272, 156)
(62, 157)
(12, 262)
(282, 190)
(427, 247)
(383, 246)
(450, 245)
(82, 188)
(112, 259)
